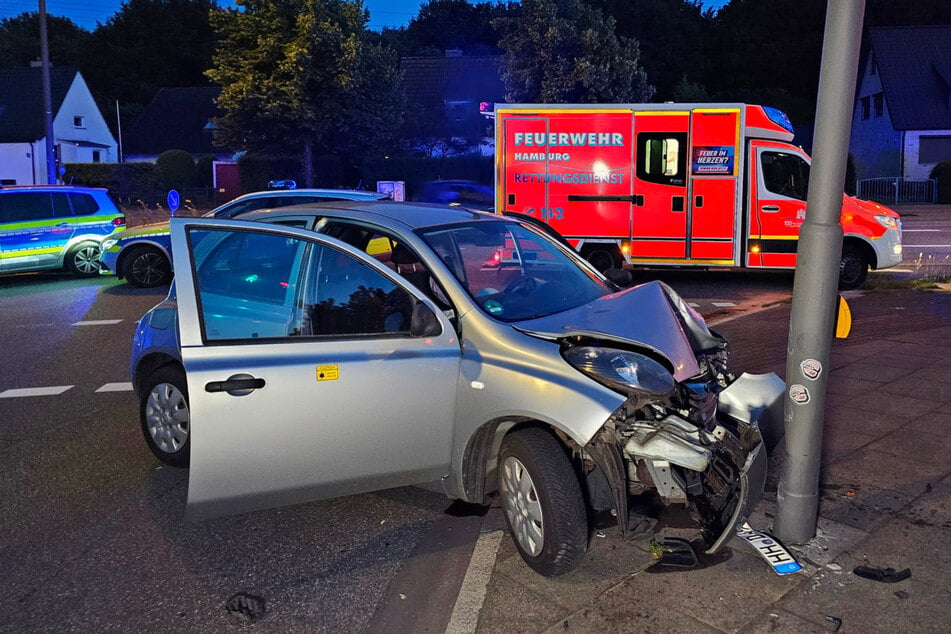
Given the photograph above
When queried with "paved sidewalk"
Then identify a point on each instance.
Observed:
(885, 501)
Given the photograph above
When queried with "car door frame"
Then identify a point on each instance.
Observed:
(227, 479)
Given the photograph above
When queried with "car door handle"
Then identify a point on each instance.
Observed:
(770, 208)
(236, 385)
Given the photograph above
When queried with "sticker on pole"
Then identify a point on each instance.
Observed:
(775, 554)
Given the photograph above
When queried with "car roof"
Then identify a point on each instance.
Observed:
(385, 212)
(53, 188)
(349, 194)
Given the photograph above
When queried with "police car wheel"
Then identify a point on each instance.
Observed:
(146, 267)
(83, 259)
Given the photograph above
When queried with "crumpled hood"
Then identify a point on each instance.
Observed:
(651, 316)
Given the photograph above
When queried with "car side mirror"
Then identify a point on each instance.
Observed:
(621, 277)
(424, 322)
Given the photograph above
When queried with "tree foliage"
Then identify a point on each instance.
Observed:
(442, 25)
(150, 44)
(567, 51)
(299, 76)
(20, 40)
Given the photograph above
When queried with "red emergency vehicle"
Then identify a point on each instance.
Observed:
(705, 185)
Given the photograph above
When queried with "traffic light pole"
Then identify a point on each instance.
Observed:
(812, 320)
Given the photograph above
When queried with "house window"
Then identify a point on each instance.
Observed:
(866, 107)
(879, 101)
(79, 121)
(96, 156)
(934, 149)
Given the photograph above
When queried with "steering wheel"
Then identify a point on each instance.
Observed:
(524, 283)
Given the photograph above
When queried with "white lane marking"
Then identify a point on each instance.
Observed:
(100, 322)
(925, 246)
(723, 304)
(35, 391)
(920, 230)
(116, 387)
(465, 614)
(693, 304)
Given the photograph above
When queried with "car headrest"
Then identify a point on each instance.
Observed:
(402, 255)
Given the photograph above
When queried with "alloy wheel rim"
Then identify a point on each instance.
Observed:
(148, 268)
(522, 507)
(87, 260)
(166, 416)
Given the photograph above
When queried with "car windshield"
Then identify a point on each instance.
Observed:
(514, 272)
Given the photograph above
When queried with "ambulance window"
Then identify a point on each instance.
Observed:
(785, 174)
(661, 158)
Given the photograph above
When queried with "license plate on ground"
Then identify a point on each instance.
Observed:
(775, 554)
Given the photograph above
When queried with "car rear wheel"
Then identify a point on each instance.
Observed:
(83, 259)
(542, 500)
(146, 267)
(164, 415)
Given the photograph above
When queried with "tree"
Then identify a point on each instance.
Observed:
(566, 51)
(20, 40)
(299, 75)
(453, 24)
(150, 44)
(671, 35)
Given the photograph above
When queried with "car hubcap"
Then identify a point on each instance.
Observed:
(524, 511)
(149, 268)
(166, 415)
(87, 260)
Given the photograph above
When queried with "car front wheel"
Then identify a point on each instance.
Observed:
(542, 500)
(146, 267)
(164, 415)
(853, 268)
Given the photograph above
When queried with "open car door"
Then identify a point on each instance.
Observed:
(308, 376)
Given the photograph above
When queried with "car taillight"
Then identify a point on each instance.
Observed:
(118, 222)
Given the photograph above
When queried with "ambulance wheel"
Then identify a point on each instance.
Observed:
(853, 268)
(83, 259)
(601, 258)
(542, 500)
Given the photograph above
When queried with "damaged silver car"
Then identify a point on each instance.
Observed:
(386, 344)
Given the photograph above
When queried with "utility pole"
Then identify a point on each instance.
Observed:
(47, 97)
(812, 320)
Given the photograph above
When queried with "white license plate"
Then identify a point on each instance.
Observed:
(775, 554)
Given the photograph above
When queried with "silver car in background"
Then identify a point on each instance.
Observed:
(390, 344)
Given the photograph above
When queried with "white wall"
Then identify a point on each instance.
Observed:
(17, 163)
(914, 169)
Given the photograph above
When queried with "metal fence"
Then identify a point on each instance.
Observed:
(898, 191)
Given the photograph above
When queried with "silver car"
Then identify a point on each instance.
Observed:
(395, 344)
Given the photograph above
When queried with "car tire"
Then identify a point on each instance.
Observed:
(146, 267)
(601, 259)
(542, 501)
(83, 259)
(164, 415)
(853, 268)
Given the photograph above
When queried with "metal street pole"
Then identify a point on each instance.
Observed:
(47, 97)
(817, 270)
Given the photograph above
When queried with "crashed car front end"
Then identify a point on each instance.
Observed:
(689, 434)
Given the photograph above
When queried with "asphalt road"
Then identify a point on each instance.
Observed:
(91, 535)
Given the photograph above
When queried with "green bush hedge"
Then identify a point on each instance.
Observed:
(942, 173)
(125, 181)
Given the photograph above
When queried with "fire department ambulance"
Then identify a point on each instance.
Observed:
(686, 185)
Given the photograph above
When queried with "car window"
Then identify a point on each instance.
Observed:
(785, 174)
(254, 286)
(251, 204)
(513, 272)
(26, 206)
(83, 204)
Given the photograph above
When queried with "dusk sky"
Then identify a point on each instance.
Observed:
(86, 13)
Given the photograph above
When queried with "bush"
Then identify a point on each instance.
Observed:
(942, 174)
(126, 182)
(176, 168)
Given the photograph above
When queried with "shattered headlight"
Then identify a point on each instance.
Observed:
(622, 370)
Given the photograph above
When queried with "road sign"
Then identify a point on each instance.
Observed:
(173, 199)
